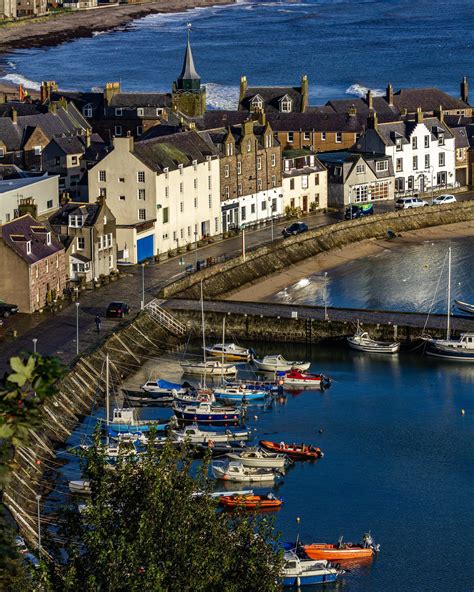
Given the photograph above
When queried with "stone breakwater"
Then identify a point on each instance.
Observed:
(223, 279)
(82, 388)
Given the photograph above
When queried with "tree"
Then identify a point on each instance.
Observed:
(149, 527)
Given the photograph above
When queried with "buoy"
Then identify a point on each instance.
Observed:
(462, 412)
(321, 431)
(298, 520)
(255, 417)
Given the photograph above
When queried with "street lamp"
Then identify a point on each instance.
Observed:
(196, 250)
(77, 327)
(325, 295)
(143, 287)
(38, 499)
(270, 203)
(35, 341)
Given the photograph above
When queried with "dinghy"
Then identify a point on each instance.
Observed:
(297, 379)
(277, 363)
(341, 551)
(229, 351)
(235, 471)
(81, 486)
(259, 458)
(239, 393)
(195, 435)
(303, 452)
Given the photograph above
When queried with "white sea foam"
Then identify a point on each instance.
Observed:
(360, 90)
(18, 79)
(220, 96)
(11, 65)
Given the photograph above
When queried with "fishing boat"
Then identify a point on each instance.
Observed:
(464, 306)
(209, 368)
(303, 452)
(251, 501)
(146, 399)
(298, 572)
(195, 435)
(164, 387)
(220, 448)
(260, 458)
(297, 379)
(125, 420)
(207, 413)
(235, 471)
(239, 393)
(457, 350)
(230, 351)
(341, 551)
(81, 486)
(195, 397)
(362, 342)
(277, 363)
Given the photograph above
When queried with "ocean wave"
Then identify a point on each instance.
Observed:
(11, 65)
(97, 33)
(220, 96)
(18, 79)
(359, 90)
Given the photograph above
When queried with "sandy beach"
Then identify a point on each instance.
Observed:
(267, 287)
(53, 30)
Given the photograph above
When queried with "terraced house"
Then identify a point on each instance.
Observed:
(163, 192)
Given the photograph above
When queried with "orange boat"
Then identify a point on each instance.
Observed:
(295, 452)
(251, 502)
(343, 551)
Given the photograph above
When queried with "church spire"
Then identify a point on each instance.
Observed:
(189, 79)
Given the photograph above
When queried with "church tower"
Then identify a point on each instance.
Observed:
(188, 96)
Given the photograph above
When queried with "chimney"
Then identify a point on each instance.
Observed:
(14, 115)
(440, 114)
(88, 134)
(131, 143)
(372, 120)
(389, 94)
(52, 108)
(21, 93)
(464, 90)
(243, 88)
(419, 115)
(262, 118)
(304, 92)
(47, 86)
(247, 127)
(369, 99)
(111, 89)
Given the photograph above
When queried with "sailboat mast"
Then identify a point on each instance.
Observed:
(448, 321)
(203, 334)
(107, 403)
(223, 341)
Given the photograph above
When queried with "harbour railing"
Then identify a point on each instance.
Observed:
(164, 318)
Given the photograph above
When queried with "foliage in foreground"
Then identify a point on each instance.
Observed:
(145, 529)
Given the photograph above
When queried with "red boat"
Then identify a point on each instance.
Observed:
(295, 379)
(342, 551)
(251, 502)
(303, 452)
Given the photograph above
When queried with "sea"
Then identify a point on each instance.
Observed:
(344, 46)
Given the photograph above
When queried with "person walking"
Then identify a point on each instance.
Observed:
(98, 323)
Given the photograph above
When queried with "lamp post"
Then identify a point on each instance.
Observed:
(271, 213)
(77, 327)
(432, 189)
(325, 295)
(243, 242)
(35, 341)
(38, 499)
(143, 287)
(196, 250)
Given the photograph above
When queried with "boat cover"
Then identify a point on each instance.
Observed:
(164, 384)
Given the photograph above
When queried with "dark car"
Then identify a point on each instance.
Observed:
(7, 309)
(359, 211)
(117, 310)
(294, 229)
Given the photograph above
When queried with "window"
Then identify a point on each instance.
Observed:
(210, 200)
(399, 165)
(239, 167)
(180, 167)
(307, 136)
(110, 238)
(76, 221)
(427, 161)
(441, 139)
(74, 160)
(381, 166)
(414, 142)
(290, 137)
(239, 189)
(140, 111)
(209, 182)
(274, 204)
(229, 149)
(181, 233)
(167, 191)
(274, 180)
(360, 168)
(141, 176)
(36, 271)
(264, 206)
(181, 188)
(268, 141)
(118, 112)
(49, 204)
(226, 192)
(165, 215)
(316, 179)
(195, 202)
(38, 150)
(427, 141)
(166, 171)
(81, 243)
(259, 163)
(181, 206)
(141, 194)
(216, 224)
(249, 146)
(118, 130)
(337, 171)
(142, 214)
(189, 230)
(28, 247)
(256, 103)
(87, 111)
(252, 208)
(101, 243)
(102, 176)
(398, 144)
(195, 183)
(111, 261)
(103, 192)
(273, 160)
(304, 181)
(360, 193)
(286, 105)
(2, 152)
(226, 171)
(195, 165)
(48, 238)
(47, 263)
(323, 136)
(292, 183)
(338, 137)
(415, 163)
(441, 159)
(259, 184)
(122, 198)
(159, 111)
(139, 130)
(243, 213)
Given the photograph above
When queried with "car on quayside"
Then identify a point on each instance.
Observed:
(405, 203)
(294, 229)
(7, 309)
(359, 211)
(117, 310)
(439, 200)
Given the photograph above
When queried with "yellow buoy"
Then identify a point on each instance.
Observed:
(462, 412)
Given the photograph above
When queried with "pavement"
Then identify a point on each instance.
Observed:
(56, 332)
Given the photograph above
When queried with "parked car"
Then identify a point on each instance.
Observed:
(359, 210)
(7, 309)
(117, 309)
(294, 229)
(405, 203)
(443, 199)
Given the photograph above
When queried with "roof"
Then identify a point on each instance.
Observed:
(70, 145)
(55, 124)
(389, 132)
(217, 136)
(15, 184)
(10, 134)
(134, 100)
(171, 151)
(429, 99)
(19, 231)
(346, 160)
(188, 71)
(22, 108)
(89, 210)
(461, 139)
(361, 105)
(271, 96)
(216, 118)
(315, 121)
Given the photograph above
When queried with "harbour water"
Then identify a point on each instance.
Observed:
(345, 47)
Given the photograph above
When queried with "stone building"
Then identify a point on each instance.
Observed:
(31, 7)
(305, 181)
(250, 173)
(8, 8)
(32, 264)
(39, 194)
(188, 95)
(273, 99)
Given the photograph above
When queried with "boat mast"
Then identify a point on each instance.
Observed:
(203, 335)
(107, 405)
(223, 341)
(448, 322)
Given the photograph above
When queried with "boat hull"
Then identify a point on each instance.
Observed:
(293, 453)
(250, 502)
(465, 306)
(302, 366)
(208, 418)
(306, 580)
(453, 355)
(373, 348)
(230, 370)
(259, 463)
(332, 553)
(239, 396)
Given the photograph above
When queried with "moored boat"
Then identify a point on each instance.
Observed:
(81, 486)
(362, 342)
(209, 368)
(259, 457)
(239, 393)
(251, 501)
(464, 306)
(194, 435)
(125, 420)
(164, 387)
(229, 351)
(207, 413)
(303, 452)
(146, 399)
(297, 379)
(298, 572)
(235, 471)
(341, 551)
(277, 363)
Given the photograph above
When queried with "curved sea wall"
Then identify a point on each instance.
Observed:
(224, 278)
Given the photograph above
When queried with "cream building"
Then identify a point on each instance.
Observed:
(163, 192)
(305, 181)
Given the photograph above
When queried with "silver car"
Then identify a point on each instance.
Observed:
(443, 199)
(404, 203)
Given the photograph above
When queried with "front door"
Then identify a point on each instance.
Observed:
(305, 203)
(422, 184)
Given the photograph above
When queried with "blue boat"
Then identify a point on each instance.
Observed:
(239, 393)
(207, 413)
(125, 421)
(298, 572)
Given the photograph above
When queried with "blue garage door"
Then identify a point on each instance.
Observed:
(145, 248)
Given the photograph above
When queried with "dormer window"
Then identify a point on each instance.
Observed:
(286, 104)
(87, 111)
(140, 112)
(256, 104)
(441, 139)
(119, 112)
(398, 144)
(76, 221)
(48, 238)
(28, 247)
(229, 150)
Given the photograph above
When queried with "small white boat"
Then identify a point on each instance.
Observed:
(464, 306)
(362, 342)
(163, 387)
(298, 572)
(82, 486)
(236, 471)
(229, 351)
(277, 363)
(259, 458)
(209, 368)
(195, 435)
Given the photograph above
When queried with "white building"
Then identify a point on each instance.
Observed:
(41, 194)
(422, 152)
(305, 181)
(164, 193)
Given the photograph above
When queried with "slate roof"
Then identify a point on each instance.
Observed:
(21, 108)
(320, 122)
(90, 210)
(347, 160)
(271, 96)
(388, 132)
(170, 151)
(379, 104)
(217, 118)
(16, 233)
(461, 139)
(188, 71)
(134, 100)
(10, 134)
(15, 184)
(70, 145)
(63, 122)
(217, 136)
